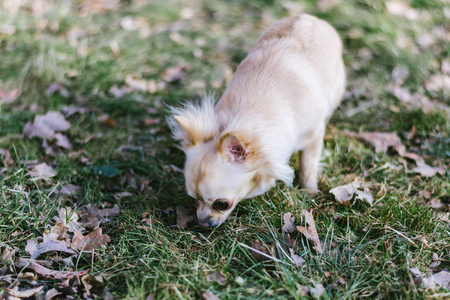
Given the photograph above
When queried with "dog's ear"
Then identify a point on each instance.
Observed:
(184, 130)
(194, 123)
(233, 148)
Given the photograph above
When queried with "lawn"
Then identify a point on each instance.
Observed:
(105, 160)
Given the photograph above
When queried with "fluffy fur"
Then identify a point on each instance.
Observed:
(278, 102)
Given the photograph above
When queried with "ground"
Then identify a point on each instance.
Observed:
(108, 69)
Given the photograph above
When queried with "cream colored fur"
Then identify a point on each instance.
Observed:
(278, 102)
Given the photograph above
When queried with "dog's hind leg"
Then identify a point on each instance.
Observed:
(309, 163)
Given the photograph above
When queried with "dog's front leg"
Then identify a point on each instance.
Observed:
(309, 163)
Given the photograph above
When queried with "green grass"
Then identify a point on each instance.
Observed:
(368, 256)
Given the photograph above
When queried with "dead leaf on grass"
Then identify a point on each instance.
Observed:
(380, 140)
(45, 126)
(8, 96)
(7, 160)
(52, 294)
(365, 196)
(344, 193)
(184, 216)
(42, 171)
(311, 232)
(437, 280)
(55, 87)
(208, 295)
(427, 171)
(174, 74)
(69, 219)
(149, 220)
(90, 283)
(93, 241)
(288, 220)
(259, 252)
(70, 190)
(46, 272)
(27, 293)
(317, 291)
(298, 260)
(216, 276)
(50, 243)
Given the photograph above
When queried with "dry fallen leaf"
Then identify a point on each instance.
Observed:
(427, 171)
(437, 280)
(208, 295)
(42, 171)
(311, 232)
(69, 219)
(15, 292)
(344, 193)
(298, 260)
(184, 216)
(93, 241)
(365, 196)
(6, 157)
(70, 189)
(317, 291)
(45, 126)
(55, 87)
(8, 96)
(52, 294)
(46, 272)
(90, 282)
(50, 243)
(216, 276)
(288, 220)
(174, 74)
(259, 252)
(380, 140)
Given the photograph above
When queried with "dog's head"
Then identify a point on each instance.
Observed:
(222, 166)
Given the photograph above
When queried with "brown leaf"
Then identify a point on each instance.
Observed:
(174, 74)
(60, 229)
(42, 171)
(150, 221)
(344, 193)
(45, 126)
(311, 232)
(380, 140)
(48, 273)
(120, 92)
(298, 260)
(69, 219)
(8, 96)
(6, 157)
(51, 294)
(427, 171)
(50, 243)
(259, 247)
(90, 282)
(365, 196)
(15, 292)
(216, 276)
(208, 295)
(317, 291)
(55, 87)
(288, 220)
(62, 141)
(184, 216)
(70, 189)
(92, 241)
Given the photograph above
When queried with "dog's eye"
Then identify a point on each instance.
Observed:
(221, 205)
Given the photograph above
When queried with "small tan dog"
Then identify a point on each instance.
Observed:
(278, 102)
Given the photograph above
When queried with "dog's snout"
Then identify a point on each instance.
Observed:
(203, 224)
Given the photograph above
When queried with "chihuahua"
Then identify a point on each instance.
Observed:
(278, 102)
